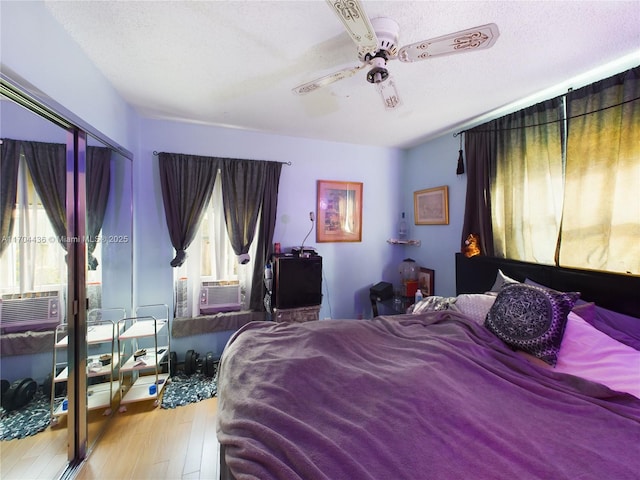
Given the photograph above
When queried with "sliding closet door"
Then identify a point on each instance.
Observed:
(66, 206)
(77, 315)
(108, 276)
(34, 285)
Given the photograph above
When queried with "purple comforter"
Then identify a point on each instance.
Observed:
(430, 396)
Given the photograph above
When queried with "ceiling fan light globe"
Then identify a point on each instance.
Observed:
(377, 75)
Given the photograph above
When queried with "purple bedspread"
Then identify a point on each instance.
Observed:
(430, 396)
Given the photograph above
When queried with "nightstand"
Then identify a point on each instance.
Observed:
(390, 306)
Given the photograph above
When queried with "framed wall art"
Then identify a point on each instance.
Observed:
(339, 211)
(425, 281)
(431, 206)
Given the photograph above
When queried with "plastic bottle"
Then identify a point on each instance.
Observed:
(418, 296)
(402, 228)
(268, 275)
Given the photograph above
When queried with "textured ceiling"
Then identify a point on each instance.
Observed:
(234, 63)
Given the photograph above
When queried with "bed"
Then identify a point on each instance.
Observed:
(439, 393)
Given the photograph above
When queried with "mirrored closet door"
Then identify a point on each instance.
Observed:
(65, 279)
(108, 275)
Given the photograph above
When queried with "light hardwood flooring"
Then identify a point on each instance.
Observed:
(145, 442)
(40, 456)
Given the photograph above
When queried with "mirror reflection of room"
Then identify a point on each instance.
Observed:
(34, 283)
(33, 277)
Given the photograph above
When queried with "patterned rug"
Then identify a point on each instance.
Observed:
(28, 420)
(36, 415)
(183, 389)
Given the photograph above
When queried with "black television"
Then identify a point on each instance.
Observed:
(297, 281)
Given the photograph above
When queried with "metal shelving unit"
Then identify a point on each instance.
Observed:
(101, 386)
(144, 344)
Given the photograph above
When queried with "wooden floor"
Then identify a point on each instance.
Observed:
(145, 442)
(40, 456)
(155, 443)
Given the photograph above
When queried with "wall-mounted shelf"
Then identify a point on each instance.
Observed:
(396, 241)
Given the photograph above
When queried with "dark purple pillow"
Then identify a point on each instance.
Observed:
(586, 311)
(531, 319)
(623, 328)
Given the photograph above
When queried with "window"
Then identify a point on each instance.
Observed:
(563, 187)
(247, 194)
(33, 260)
(211, 259)
(601, 221)
(528, 187)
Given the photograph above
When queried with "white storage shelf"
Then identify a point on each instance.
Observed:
(139, 391)
(143, 371)
(91, 372)
(147, 362)
(142, 328)
(99, 395)
(95, 334)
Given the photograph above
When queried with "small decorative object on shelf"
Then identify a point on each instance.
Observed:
(402, 228)
(397, 241)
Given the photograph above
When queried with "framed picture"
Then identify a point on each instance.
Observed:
(339, 211)
(431, 206)
(425, 281)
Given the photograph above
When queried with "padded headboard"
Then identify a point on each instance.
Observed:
(617, 292)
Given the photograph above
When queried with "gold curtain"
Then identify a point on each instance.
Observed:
(601, 222)
(526, 193)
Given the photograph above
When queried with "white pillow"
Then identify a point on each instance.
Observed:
(474, 305)
(588, 353)
(502, 279)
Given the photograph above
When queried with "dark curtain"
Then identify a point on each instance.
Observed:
(98, 183)
(242, 190)
(265, 235)
(47, 165)
(9, 161)
(480, 149)
(187, 183)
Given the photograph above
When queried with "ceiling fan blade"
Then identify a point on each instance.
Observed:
(468, 40)
(389, 94)
(327, 80)
(357, 24)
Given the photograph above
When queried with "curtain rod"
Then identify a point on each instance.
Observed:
(155, 154)
(550, 121)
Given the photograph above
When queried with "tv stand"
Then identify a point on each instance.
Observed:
(302, 314)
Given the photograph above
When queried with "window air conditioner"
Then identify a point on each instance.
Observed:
(20, 312)
(216, 297)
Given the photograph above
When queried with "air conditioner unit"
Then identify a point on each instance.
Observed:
(20, 312)
(216, 297)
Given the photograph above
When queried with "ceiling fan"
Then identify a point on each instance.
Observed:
(377, 42)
